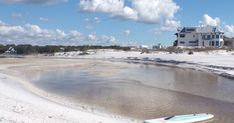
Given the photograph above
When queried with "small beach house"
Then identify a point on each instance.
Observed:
(206, 36)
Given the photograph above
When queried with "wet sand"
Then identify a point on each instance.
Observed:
(136, 91)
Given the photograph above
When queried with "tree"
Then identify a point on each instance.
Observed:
(175, 43)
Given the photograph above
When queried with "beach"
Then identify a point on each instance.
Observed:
(21, 101)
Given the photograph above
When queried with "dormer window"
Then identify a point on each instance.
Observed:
(182, 35)
(190, 30)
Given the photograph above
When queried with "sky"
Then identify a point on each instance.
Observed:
(108, 22)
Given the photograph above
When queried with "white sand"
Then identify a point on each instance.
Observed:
(18, 105)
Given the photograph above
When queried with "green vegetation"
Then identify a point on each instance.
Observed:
(2, 48)
(27, 49)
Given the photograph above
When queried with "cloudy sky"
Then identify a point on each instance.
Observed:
(108, 22)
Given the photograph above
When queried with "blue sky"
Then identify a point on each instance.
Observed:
(75, 23)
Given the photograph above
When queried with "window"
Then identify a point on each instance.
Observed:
(192, 41)
(203, 37)
(213, 36)
(182, 42)
(210, 43)
(217, 43)
(213, 43)
(190, 30)
(221, 36)
(182, 35)
(217, 36)
(208, 37)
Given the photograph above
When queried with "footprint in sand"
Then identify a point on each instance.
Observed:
(18, 109)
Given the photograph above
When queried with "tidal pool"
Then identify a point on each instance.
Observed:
(142, 91)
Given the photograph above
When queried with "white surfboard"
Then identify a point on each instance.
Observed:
(190, 118)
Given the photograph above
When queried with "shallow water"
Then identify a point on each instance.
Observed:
(142, 91)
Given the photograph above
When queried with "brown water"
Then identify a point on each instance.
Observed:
(142, 91)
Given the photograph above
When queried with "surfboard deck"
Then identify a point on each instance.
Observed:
(190, 118)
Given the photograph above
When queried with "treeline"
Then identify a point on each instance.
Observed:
(26, 49)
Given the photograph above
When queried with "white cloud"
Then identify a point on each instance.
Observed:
(169, 26)
(16, 15)
(33, 34)
(127, 13)
(229, 30)
(92, 37)
(106, 6)
(5, 29)
(153, 11)
(127, 32)
(146, 11)
(108, 40)
(102, 40)
(93, 20)
(33, 1)
(209, 21)
(43, 19)
(173, 24)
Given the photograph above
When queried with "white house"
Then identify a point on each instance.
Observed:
(11, 50)
(206, 36)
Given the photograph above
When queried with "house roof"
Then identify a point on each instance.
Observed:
(209, 29)
(202, 29)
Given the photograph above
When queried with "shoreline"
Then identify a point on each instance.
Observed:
(28, 103)
(217, 62)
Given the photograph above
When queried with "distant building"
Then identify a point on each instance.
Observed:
(206, 36)
(144, 47)
(62, 49)
(133, 48)
(159, 46)
(11, 50)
